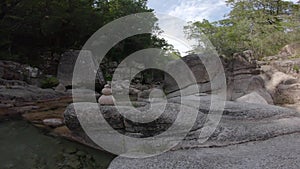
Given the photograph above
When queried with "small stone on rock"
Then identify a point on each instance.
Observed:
(53, 122)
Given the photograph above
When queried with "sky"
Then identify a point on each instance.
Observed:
(193, 10)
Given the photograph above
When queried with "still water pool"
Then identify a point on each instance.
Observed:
(22, 146)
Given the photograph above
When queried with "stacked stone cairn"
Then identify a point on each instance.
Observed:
(106, 97)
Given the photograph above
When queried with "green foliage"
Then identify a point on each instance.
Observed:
(49, 82)
(31, 28)
(108, 77)
(262, 26)
(296, 68)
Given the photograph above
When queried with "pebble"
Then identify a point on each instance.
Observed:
(55, 122)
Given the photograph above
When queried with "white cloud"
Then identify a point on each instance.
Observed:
(295, 1)
(195, 10)
(187, 10)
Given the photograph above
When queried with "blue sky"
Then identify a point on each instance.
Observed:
(193, 10)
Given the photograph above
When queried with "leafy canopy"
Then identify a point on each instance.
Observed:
(263, 26)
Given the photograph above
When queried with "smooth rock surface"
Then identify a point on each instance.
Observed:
(240, 122)
(253, 97)
(87, 65)
(280, 152)
(107, 97)
(106, 91)
(106, 100)
(196, 73)
(242, 75)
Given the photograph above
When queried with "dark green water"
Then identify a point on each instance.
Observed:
(25, 147)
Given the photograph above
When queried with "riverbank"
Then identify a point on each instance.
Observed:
(34, 136)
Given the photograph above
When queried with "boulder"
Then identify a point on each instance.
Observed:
(290, 50)
(199, 72)
(88, 66)
(274, 79)
(281, 75)
(287, 94)
(253, 97)
(116, 120)
(66, 67)
(60, 88)
(14, 71)
(241, 122)
(243, 76)
(242, 73)
(289, 66)
(284, 88)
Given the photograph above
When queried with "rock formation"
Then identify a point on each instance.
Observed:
(253, 97)
(243, 78)
(12, 72)
(250, 128)
(241, 122)
(282, 78)
(242, 74)
(88, 66)
(279, 152)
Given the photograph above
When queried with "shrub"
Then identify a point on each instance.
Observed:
(108, 77)
(49, 82)
(296, 68)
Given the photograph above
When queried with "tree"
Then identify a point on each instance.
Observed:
(262, 26)
(266, 25)
(31, 28)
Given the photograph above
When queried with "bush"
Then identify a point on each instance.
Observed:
(49, 82)
(108, 77)
(296, 68)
